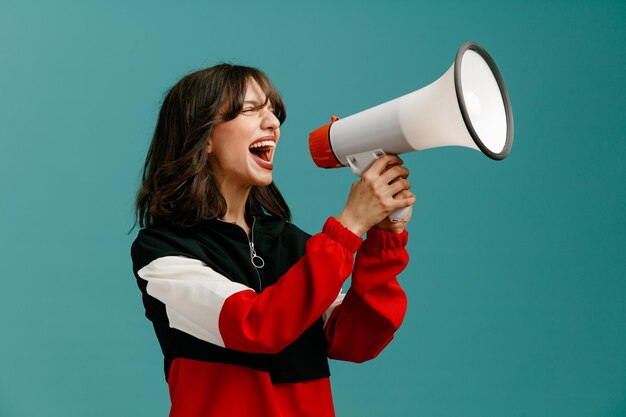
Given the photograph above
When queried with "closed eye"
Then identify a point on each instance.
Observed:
(250, 106)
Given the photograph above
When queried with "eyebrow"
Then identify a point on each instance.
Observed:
(256, 103)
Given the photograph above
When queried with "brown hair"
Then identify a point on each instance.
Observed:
(178, 185)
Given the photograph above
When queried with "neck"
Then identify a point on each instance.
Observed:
(236, 198)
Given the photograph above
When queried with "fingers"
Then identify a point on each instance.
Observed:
(380, 165)
(387, 178)
(385, 170)
(382, 189)
(399, 185)
(405, 198)
(393, 173)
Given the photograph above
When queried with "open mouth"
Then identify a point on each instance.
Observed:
(263, 150)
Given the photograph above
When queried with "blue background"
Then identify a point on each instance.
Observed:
(516, 283)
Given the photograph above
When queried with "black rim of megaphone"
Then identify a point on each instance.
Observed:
(505, 98)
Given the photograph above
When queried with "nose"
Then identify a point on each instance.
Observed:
(269, 121)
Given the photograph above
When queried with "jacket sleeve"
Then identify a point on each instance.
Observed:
(360, 324)
(201, 302)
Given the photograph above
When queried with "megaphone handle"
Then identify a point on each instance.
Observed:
(360, 162)
(399, 215)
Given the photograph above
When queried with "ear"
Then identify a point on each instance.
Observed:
(209, 146)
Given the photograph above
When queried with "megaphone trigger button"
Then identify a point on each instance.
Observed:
(333, 119)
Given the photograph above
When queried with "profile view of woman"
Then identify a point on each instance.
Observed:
(247, 308)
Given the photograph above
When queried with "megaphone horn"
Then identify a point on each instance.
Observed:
(467, 106)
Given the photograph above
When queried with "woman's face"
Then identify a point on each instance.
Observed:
(241, 150)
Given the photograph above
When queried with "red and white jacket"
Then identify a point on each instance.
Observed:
(246, 340)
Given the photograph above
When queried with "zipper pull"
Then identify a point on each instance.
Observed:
(256, 260)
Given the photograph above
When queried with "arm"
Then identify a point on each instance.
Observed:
(209, 306)
(360, 326)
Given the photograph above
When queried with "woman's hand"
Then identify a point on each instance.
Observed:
(382, 189)
(397, 226)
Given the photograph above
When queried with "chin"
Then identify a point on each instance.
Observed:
(262, 181)
(258, 176)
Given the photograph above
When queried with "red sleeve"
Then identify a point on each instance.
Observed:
(364, 323)
(269, 321)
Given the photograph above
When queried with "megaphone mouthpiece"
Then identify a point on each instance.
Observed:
(320, 148)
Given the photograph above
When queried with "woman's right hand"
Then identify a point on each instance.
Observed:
(378, 193)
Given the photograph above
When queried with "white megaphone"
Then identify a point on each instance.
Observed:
(468, 106)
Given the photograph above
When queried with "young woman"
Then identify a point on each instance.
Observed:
(247, 307)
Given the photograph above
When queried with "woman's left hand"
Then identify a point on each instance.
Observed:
(396, 227)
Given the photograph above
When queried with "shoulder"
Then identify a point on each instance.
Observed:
(155, 242)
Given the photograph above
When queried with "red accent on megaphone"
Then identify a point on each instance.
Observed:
(319, 146)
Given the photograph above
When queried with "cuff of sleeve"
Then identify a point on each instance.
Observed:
(337, 231)
(386, 240)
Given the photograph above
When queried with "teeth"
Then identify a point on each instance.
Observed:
(264, 143)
